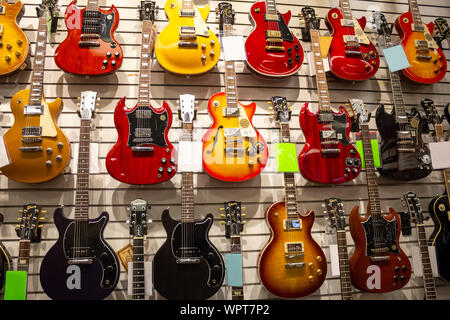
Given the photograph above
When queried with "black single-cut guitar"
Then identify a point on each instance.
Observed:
(187, 266)
(80, 265)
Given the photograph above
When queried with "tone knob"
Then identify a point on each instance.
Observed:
(48, 163)
(311, 265)
(18, 54)
(349, 161)
(289, 50)
(105, 62)
(172, 160)
(311, 279)
(402, 278)
(212, 53)
(19, 42)
(319, 259)
(216, 267)
(113, 44)
(347, 170)
(109, 268)
(319, 272)
(355, 171)
(356, 162)
(290, 61)
(60, 145)
(169, 170)
(58, 158)
(404, 268)
(297, 57)
(113, 63)
(8, 46)
(395, 278)
(163, 160)
(160, 169)
(203, 57)
(117, 54)
(212, 42)
(297, 47)
(204, 46)
(397, 269)
(7, 58)
(49, 150)
(210, 255)
(109, 54)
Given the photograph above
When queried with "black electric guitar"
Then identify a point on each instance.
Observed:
(439, 207)
(187, 266)
(80, 265)
(442, 31)
(416, 215)
(5, 260)
(337, 221)
(138, 230)
(233, 227)
(403, 153)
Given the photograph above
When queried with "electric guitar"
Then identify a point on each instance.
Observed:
(233, 150)
(80, 265)
(138, 230)
(187, 36)
(291, 264)
(427, 61)
(415, 213)
(442, 31)
(38, 149)
(404, 155)
(187, 266)
(272, 49)
(439, 207)
(143, 153)
(90, 47)
(447, 112)
(328, 156)
(378, 264)
(5, 260)
(352, 56)
(233, 227)
(14, 47)
(337, 222)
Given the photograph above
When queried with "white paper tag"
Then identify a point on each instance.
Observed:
(334, 257)
(234, 48)
(4, 156)
(417, 261)
(147, 275)
(93, 158)
(312, 65)
(190, 156)
(440, 154)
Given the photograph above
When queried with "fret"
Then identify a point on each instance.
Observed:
(271, 7)
(37, 76)
(346, 10)
(415, 12)
(321, 82)
(92, 5)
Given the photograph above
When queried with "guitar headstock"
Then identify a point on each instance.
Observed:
(148, 11)
(138, 218)
(187, 112)
(233, 218)
(431, 113)
(225, 13)
(310, 20)
(282, 111)
(412, 203)
(30, 223)
(359, 109)
(87, 104)
(335, 213)
(442, 30)
(49, 5)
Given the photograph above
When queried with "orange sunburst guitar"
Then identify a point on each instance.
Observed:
(427, 60)
(38, 149)
(233, 150)
(13, 41)
(291, 264)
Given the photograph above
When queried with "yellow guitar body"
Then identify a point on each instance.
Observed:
(187, 46)
(51, 148)
(14, 43)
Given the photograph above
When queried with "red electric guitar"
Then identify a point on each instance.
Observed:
(272, 49)
(352, 55)
(328, 156)
(90, 47)
(143, 153)
(378, 264)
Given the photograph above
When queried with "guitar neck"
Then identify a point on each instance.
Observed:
(321, 78)
(138, 285)
(24, 255)
(147, 46)
(37, 76)
(230, 75)
(187, 183)
(428, 279)
(271, 7)
(82, 187)
(290, 194)
(92, 5)
(346, 9)
(417, 19)
(346, 285)
(237, 293)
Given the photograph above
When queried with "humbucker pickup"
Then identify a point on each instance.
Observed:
(189, 30)
(293, 247)
(231, 112)
(271, 17)
(273, 34)
(30, 149)
(421, 43)
(292, 224)
(143, 132)
(327, 134)
(380, 258)
(417, 27)
(275, 48)
(350, 38)
(325, 117)
(80, 261)
(33, 110)
(31, 131)
(142, 149)
(347, 23)
(187, 13)
(295, 265)
(89, 36)
(88, 44)
(144, 114)
(424, 57)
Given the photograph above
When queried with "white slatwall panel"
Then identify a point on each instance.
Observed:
(257, 194)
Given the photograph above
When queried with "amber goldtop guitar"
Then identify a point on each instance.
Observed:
(13, 41)
(378, 264)
(38, 150)
(291, 264)
(187, 46)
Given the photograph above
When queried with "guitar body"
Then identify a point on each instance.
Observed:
(142, 167)
(290, 282)
(63, 281)
(269, 63)
(377, 276)
(417, 164)
(440, 238)
(73, 58)
(225, 166)
(167, 48)
(5, 264)
(30, 167)
(194, 281)
(421, 70)
(327, 168)
(350, 67)
(15, 48)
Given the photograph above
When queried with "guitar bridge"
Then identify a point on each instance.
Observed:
(187, 44)
(88, 44)
(380, 258)
(295, 265)
(188, 261)
(275, 48)
(30, 149)
(142, 149)
(80, 261)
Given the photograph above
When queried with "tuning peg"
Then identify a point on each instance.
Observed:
(17, 226)
(40, 226)
(78, 98)
(222, 215)
(244, 222)
(19, 219)
(243, 215)
(149, 221)
(323, 205)
(44, 211)
(242, 208)
(222, 209)
(20, 211)
(41, 219)
(223, 222)
(127, 221)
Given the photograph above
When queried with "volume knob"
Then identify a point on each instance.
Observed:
(48, 163)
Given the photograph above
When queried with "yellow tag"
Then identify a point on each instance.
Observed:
(125, 255)
(325, 43)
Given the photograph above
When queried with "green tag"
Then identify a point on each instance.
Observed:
(16, 285)
(286, 156)
(375, 152)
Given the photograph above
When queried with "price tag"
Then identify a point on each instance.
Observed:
(4, 156)
(190, 156)
(234, 48)
(396, 58)
(233, 267)
(16, 285)
(286, 156)
(440, 154)
(375, 150)
(334, 255)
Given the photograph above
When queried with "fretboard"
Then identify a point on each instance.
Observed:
(230, 75)
(138, 285)
(428, 279)
(187, 183)
(147, 45)
(414, 8)
(321, 78)
(271, 7)
(346, 9)
(92, 5)
(346, 285)
(82, 187)
(24, 255)
(290, 194)
(37, 76)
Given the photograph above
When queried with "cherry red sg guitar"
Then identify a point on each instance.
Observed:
(272, 50)
(90, 47)
(143, 153)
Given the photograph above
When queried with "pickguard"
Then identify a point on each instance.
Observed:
(340, 126)
(246, 127)
(387, 236)
(200, 26)
(147, 127)
(284, 29)
(107, 21)
(46, 123)
(359, 32)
